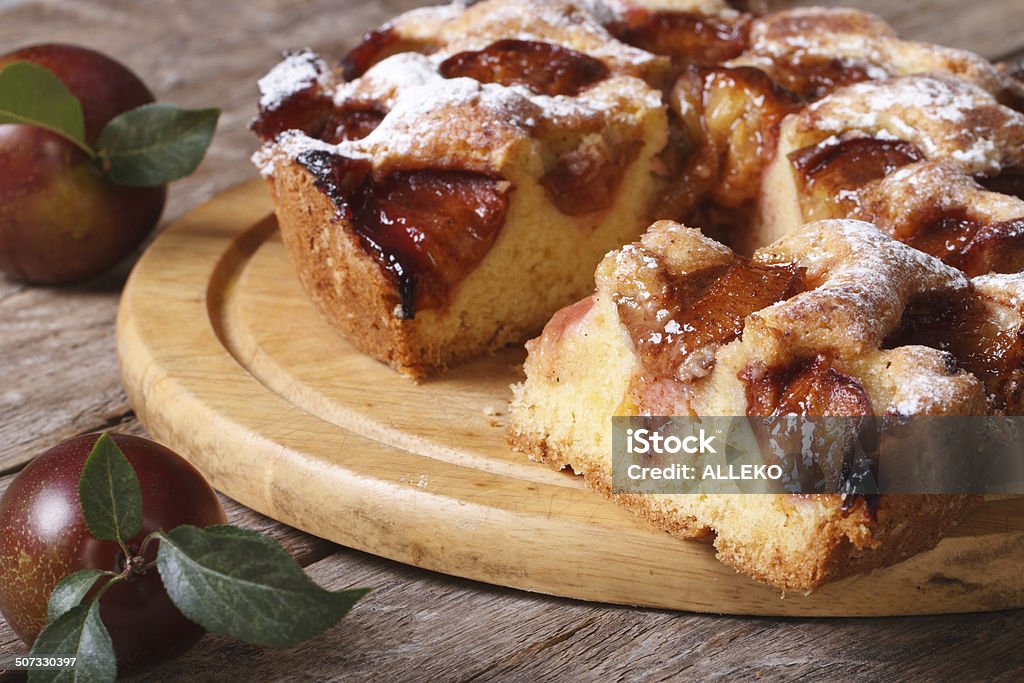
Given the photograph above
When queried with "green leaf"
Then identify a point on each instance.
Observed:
(71, 591)
(78, 633)
(34, 96)
(238, 583)
(155, 144)
(110, 493)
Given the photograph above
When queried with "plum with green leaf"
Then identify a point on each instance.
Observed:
(85, 157)
(114, 553)
(44, 537)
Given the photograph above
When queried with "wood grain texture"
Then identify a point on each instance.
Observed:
(418, 626)
(205, 53)
(227, 362)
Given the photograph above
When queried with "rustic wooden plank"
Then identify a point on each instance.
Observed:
(420, 626)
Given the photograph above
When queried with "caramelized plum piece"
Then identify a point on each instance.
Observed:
(1010, 181)
(812, 78)
(292, 97)
(352, 121)
(585, 179)
(811, 387)
(970, 245)
(739, 109)
(674, 325)
(828, 172)
(544, 68)
(377, 46)
(686, 37)
(995, 248)
(427, 228)
(959, 323)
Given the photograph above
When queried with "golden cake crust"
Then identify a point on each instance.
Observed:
(340, 277)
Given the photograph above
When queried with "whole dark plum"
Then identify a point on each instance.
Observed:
(43, 538)
(61, 220)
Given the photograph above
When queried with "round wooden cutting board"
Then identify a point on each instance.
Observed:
(226, 361)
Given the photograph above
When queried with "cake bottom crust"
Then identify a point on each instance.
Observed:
(839, 544)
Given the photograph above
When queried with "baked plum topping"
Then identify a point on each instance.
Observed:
(565, 323)
(676, 322)
(972, 246)
(301, 104)
(428, 229)
(830, 172)
(544, 68)
(959, 323)
(375, 46)
(353, 121)
(995, 248)
(586, 179)
(1010, 181)
(723, 123)
(739, 111)
(685, 36)
(296, 96)
(810, 387)
(815, 78)
(335, 175)
(813, 387)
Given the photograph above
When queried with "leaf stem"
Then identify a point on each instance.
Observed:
(146, 541)
(125, 550)
(117, 578)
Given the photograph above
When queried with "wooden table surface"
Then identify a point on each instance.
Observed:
(59, 378)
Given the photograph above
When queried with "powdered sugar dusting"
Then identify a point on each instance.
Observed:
(300, 70)
(575, 24)
(944, 116)
(822, 32)
(385, 79)
(921, 391)
(289, 145)
(1006, 288)
(861, 271)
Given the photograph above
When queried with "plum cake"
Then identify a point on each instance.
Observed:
(456, 179)
(834, 319)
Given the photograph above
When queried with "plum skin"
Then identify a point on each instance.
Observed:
(61, 221)
(43, 538)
